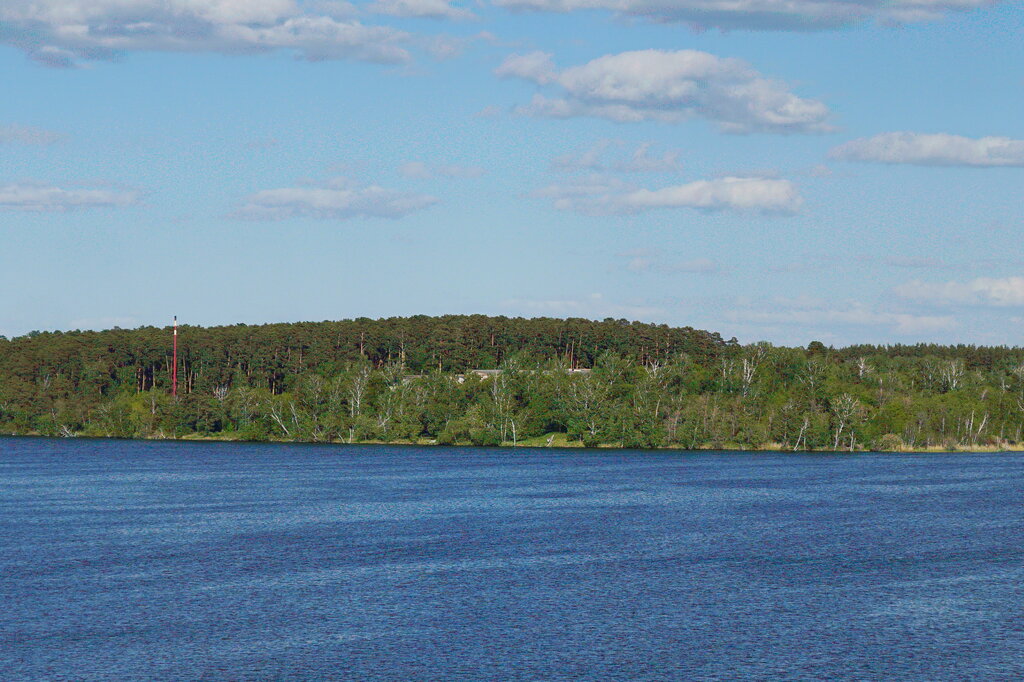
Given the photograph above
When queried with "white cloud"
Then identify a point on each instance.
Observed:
(599, 195)
(591, 159)
(490, 111)
(424, 171)
(639, 264)
(533, 66)
(639, 160)
(763, 195)
(429, 9)
(595, 306)
(769, 15)
(592, 195)
(39, 198)
(812, 315)
(937, 149)
(336, 200)
(984, 291)
(443, 47)
(61, 32)
(667, 86)
(14, 133)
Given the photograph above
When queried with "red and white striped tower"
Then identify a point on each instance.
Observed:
(174, 368)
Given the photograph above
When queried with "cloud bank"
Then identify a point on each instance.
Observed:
(598, 195)
(43, 198)
(940, 149)
(61, 32)
(814, 314)
(983, 291)
(762, 15)
(666, 86)
(336, 200)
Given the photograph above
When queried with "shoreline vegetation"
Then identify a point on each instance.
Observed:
(497, 381)
(553, 440)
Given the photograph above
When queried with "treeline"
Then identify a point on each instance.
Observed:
(598, 383)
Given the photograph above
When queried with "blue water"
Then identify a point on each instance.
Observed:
(125, 560)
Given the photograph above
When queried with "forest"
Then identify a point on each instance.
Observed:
(478, 380)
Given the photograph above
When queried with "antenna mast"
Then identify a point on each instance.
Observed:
(174, 369)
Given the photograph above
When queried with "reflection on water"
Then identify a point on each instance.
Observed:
(241, 561)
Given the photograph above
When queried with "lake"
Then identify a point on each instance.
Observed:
(142, 560)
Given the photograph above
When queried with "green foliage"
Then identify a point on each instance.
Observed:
(494, 380)
(890, 442)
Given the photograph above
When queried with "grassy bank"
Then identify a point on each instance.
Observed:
(562, 441)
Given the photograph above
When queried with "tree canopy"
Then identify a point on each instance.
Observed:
(612, 382)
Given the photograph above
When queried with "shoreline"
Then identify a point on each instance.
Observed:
(560, 444)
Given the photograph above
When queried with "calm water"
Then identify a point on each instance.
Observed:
(237, 561)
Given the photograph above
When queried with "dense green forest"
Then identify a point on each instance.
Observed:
(422, 379)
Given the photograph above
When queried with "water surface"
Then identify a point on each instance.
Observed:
(142, 560)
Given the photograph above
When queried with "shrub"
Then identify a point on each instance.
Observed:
(890, 442)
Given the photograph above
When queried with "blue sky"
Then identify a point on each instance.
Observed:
(848, 171)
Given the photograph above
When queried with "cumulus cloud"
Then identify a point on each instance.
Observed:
(666, 86)
(337, 199)
(599, 195)
(937, 149)
(424, 171)
(41, 198)
(765, 15)
(640, 160)
(763, 195)
(61, 32)
(428, 9)
(983, 291)
(19, 134)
